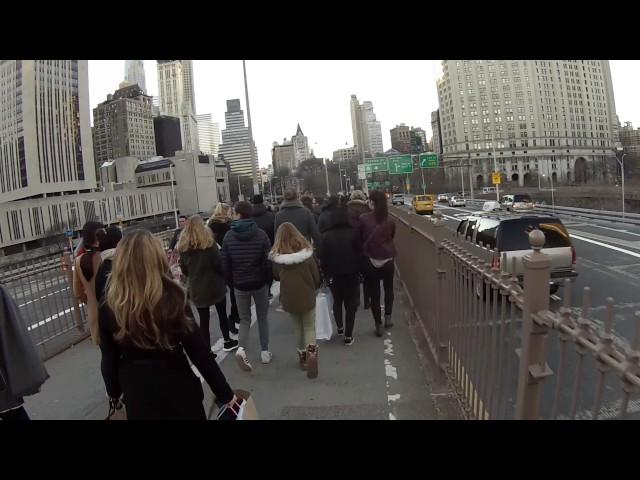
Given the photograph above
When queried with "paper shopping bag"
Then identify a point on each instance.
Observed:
(324, 326)
(248, 407)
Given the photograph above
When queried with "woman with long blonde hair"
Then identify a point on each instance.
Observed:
(297, 270)
(201, 263)
(146, 328)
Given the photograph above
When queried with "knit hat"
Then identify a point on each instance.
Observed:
(358, 195)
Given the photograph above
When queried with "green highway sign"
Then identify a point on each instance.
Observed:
(378, 164)
(429, 160)
(400, 164)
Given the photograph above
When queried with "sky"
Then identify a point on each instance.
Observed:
(316, 94)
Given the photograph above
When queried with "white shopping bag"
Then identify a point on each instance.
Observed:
(324, 326)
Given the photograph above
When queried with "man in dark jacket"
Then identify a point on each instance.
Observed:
(292, 210)
(245, 256)
(265, 221)
(176, 236)
(263, 217)
(307, 202)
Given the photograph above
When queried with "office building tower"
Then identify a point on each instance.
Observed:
(168, 138)
(45, 131)
(367, 131)
(173, 102)
(630, 141)
(419, 142)
(123, 126)
(236, 144)
(346, 157)
(283, 158)
(187, 84)
(300, 146)
(400, 138)
(528, 118)
(155, 105)
(134, 74)
(208, 134)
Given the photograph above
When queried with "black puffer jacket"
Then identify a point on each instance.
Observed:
(245, 256)
(265, 220)
(340, 246)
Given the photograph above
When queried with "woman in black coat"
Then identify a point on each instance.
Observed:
(146, 329)
(201, 263)
(340, 265)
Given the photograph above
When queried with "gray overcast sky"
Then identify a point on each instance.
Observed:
(316, 94)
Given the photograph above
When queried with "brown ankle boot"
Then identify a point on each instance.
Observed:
(312, 361)
(302, 358)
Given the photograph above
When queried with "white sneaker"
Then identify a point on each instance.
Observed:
(266, 356)
(243, 362)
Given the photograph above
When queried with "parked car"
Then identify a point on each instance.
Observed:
(509, 233)
(488, 190)
(491, 206)
(457, 202)
(518, 202)
(442, 198)
(397, 199)
(423, 204)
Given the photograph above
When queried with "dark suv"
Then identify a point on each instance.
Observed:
(509, 233)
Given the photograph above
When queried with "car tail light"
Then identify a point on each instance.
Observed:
(495, 263)
(573, 255)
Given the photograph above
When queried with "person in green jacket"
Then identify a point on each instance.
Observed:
(295, 267)
(201, 263)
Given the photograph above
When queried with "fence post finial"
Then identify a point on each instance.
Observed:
(533, 367)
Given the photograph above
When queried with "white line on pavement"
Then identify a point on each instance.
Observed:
(610, 247)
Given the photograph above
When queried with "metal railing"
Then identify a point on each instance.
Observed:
(42, 288)
(488, 332)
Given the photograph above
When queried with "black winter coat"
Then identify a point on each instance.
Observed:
(340, 247)
(294, 212)
(159, 384)
(245, 256)
(219, 227)
(102, 275)
(355, 208)
(205, 277)
(265, 220)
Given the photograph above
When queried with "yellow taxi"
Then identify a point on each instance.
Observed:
(423, 204)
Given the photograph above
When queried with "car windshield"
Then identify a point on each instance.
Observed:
(522, 198)
(514, 234)
(397, 195)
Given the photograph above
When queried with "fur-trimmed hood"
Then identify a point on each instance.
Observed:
(291, 258)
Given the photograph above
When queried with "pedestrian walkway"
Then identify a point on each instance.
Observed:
(376, 378)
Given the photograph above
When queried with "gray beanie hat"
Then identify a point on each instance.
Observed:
(358, 195)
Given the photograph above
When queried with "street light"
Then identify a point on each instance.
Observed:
(621, 163)
(553, 203)
(326, 174)
(173, 193)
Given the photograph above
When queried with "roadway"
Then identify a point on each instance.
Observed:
(608, 261)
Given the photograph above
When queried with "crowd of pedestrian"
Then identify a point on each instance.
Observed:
(152, 324)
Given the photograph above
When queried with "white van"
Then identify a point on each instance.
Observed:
(489, 190)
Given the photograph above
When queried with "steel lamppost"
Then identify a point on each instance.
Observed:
(173, 193)
(621, 163)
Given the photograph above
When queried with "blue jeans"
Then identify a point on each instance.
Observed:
(261, 300)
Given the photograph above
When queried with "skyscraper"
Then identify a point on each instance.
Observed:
(400, 138)
(367, 131)
(236, 143)
(436, 133)
(45, 133)
(551, 117)
(167, 134)
(173, 103)
(300, 146)
(123, 126)
(208, 134)
(187, 83)
(134, 74)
